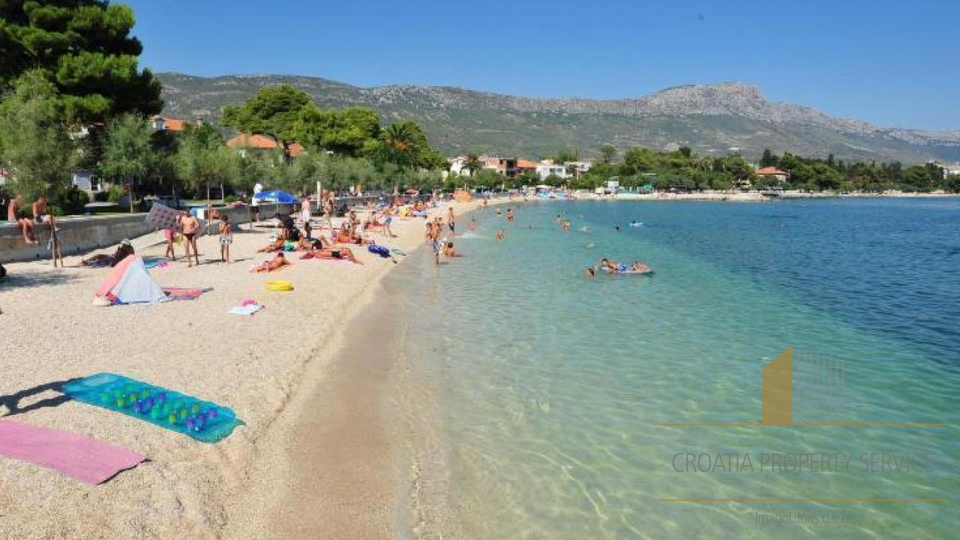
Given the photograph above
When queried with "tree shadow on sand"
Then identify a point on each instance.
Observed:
(21, 401)
(36, 279)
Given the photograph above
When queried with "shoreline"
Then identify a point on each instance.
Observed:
(346, 461)
(261, 366)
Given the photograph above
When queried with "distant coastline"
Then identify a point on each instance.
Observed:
(756, 196)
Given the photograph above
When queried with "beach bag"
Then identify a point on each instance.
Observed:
(382, 251)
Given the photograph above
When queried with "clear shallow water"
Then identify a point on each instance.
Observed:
(551, 386)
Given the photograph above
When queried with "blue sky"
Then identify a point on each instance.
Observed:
(892, 63)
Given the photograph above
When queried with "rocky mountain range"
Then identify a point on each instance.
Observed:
(711, 119)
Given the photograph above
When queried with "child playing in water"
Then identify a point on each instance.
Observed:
(448, 251)
(473, 225)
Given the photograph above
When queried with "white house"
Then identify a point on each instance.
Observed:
(458, 166)
(547, 167)
(580, 166)
(84, 181)
(950, 170)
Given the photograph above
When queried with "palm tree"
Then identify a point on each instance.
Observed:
(397, 141)
(472, 164)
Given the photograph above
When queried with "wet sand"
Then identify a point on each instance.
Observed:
(341, 458)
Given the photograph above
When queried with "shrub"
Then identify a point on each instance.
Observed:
(114, 193)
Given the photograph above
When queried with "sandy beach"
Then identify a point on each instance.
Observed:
(266, 367)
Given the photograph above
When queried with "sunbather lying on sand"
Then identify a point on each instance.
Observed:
(125, 249)
(278, 262)
(277, 245)
(310, 244)
(353, 238)
(331, 253)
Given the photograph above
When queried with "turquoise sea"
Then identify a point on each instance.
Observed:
(548, 388)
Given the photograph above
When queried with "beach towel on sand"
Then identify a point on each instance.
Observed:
(70, 454)
(181, 293)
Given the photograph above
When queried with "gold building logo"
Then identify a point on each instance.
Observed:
(820, 393)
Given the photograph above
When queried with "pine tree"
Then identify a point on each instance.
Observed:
(85, 49)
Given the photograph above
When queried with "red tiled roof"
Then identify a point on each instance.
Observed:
(526, 164)
(260, 142)
(263, 142)
(171, 124)
(771, 171)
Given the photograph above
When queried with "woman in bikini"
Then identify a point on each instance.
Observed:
(278, 262)
(331, 253)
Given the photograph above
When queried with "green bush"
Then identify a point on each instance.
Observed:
(114, 193)
(72, 202)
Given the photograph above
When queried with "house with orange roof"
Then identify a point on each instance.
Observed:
(245, 141)
(504, 166)
(773, 172)
(526, 166)
(161, 123)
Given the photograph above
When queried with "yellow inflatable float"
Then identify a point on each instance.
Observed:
(278, 285)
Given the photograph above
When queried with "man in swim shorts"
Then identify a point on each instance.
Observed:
(189, 227)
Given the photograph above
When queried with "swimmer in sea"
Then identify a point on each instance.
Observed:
(499, 234)
(617, 228)
(566, 224)
(591, 245)
(590, 271)
(638, 266)
(609, 265)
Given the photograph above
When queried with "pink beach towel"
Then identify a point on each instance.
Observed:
(182, 293)
(74, 455)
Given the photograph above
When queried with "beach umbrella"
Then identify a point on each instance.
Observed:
(276, 196)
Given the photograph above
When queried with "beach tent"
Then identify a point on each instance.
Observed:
(276, 196)
(129, 283)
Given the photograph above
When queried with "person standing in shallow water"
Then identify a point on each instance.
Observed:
(451, 220)
(473, 225)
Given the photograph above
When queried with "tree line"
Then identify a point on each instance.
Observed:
(74, 98)
(683, 169)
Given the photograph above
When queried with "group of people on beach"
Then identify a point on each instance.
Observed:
(40, 215)
(442, 246)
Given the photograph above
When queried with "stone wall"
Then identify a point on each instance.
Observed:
(79, 234)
